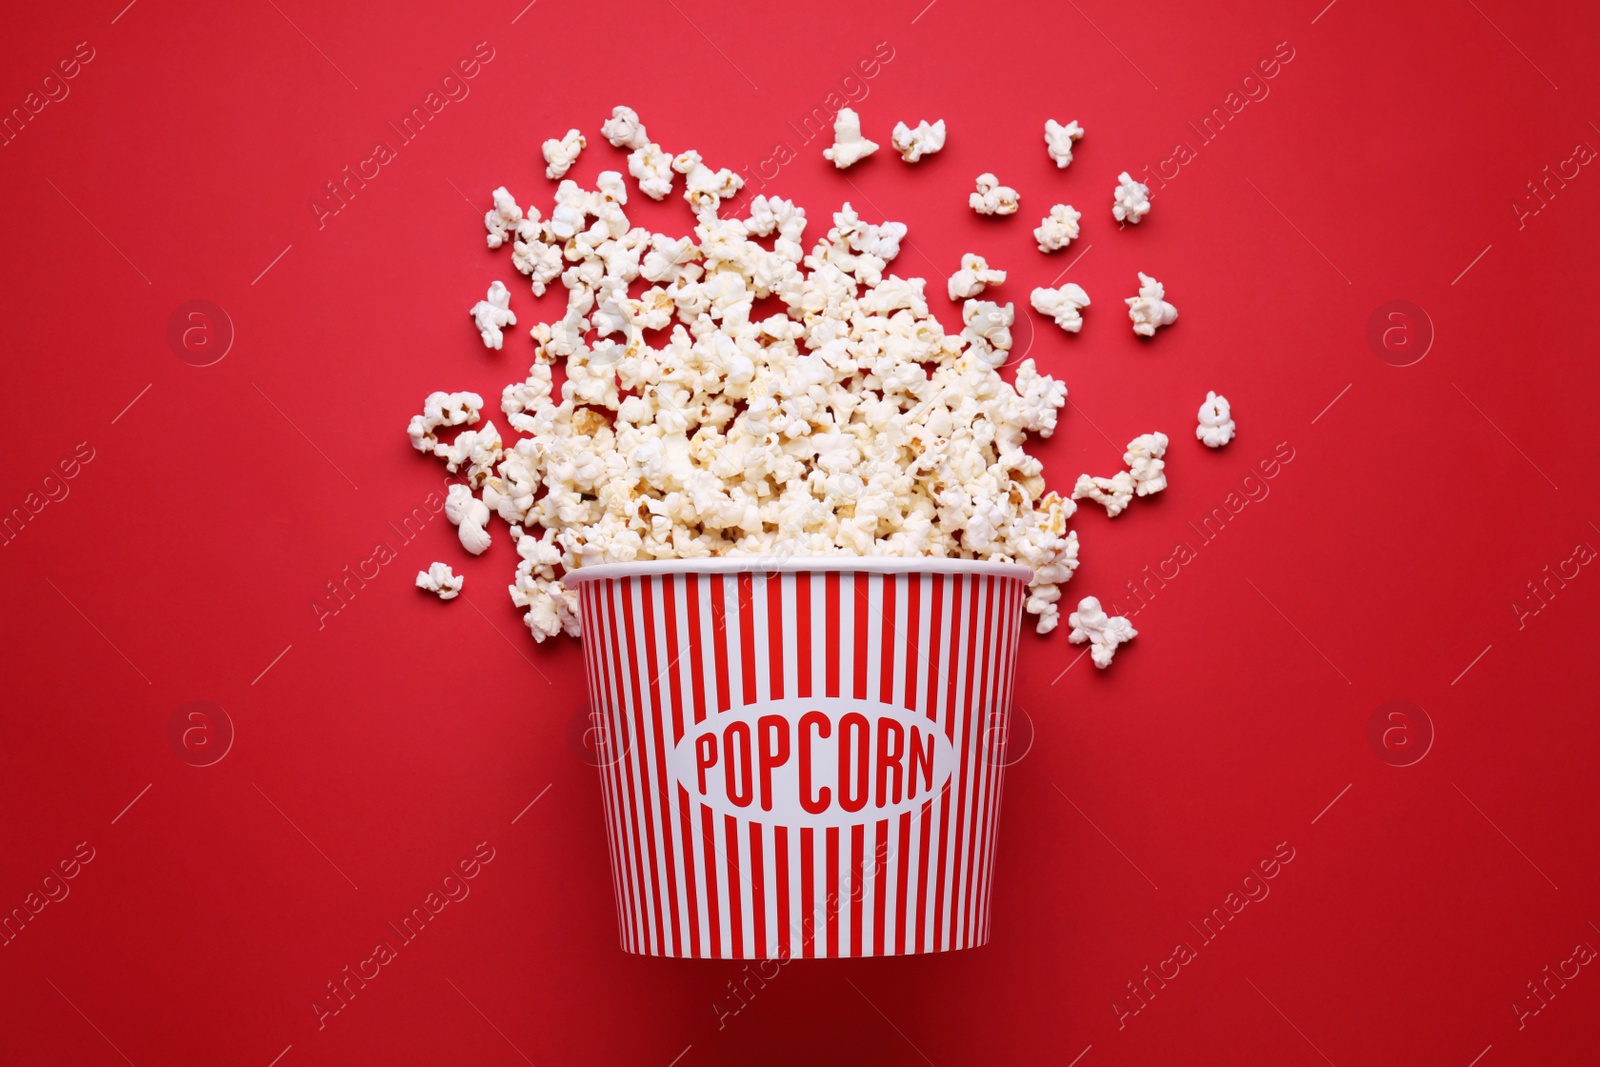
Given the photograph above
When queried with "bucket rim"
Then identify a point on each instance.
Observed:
(719, 565)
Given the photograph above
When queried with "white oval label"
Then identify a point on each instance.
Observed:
(813, 761)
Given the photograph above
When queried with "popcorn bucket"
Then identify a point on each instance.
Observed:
(806, 756)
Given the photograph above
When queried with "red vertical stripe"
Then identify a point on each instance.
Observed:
(833, 903)
(780, 849)
(857, 892)
(808, 893)
(901, 918)
(880, 878)
(708, 842)
(730, 827)
(757, 868)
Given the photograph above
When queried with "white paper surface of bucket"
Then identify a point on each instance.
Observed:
(806, 756)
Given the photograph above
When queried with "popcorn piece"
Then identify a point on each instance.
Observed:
(442, 409)
(1145, 464)
(440, 579)
(470, 515)
(1130, 200)
(973, 278)
(1058, 229)
(1063, 304)
(1105, 633)
(653, 169)
(1058, 140)
(921, 140)
(571, 211)
(492, 314)
(882, 241)
(988, 329)
(560, 155)
(1216, 421)
(1039, 398)
(540, 261)
(1115, 493)
(849, 147)
(992, 198)
(1150, 310)
(704, 188)
(504, 217)
(624, 130)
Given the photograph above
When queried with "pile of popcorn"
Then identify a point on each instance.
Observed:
(688, 425)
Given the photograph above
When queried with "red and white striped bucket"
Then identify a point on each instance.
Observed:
(806, 756)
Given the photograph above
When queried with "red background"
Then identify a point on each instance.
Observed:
(373, 753)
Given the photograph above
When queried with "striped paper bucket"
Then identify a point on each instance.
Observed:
(806, 756)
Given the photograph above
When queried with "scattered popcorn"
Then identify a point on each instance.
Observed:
(914, 142)
(973, 278)
(492, 314)
(470, 515)
(624, 130)
(850, 423)
(1130, 201)
(992, 198)
(1064, 305)
(849, 147)
(647, 162)
(1150, 310)
(1103, 632)
(988, 331)
(1216, 421)
(503, 219)
(560, 155)
(440, 579)
(1058, 229)
(1145, 464)
(1058, 140)
(1115, 493)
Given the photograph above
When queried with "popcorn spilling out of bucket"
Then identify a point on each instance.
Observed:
(798, 548)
